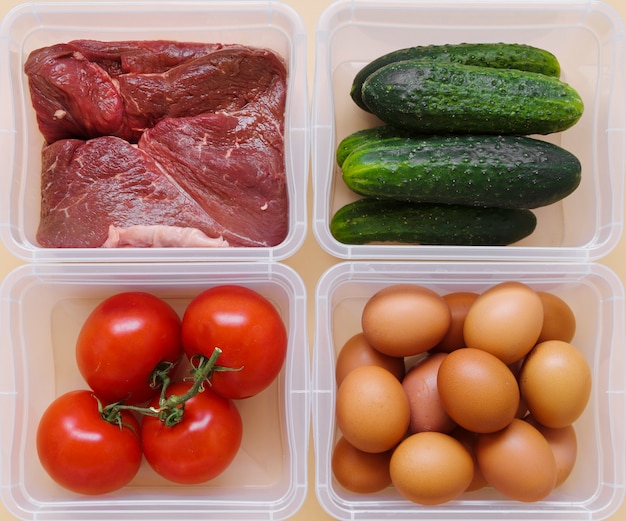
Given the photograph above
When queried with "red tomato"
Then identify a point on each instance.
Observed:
(249, 331)
(121, 343)
(81, 451)
(201, 446)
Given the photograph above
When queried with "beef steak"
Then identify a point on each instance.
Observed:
(145, 139)
(233, 165)
(85, 89)
(87, 186)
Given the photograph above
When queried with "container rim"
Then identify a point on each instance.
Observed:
(361, 15)
(271, 13)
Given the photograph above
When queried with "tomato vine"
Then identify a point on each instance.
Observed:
(171, 408)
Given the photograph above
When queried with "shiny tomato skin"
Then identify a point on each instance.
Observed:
(84, 453)
(201, 446)
(249, 331)
(122, 341)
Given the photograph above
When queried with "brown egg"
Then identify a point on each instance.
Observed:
(357, 352)
(505, 320)
(555, 382)
(358, 471)
(517, 461)
(405, 320)
(459, 304)
(468, 440)
(522, 409)
(477, 390)
(431, 468)
(564, 445)
(420, 385)
(559, 322)
(372, 409)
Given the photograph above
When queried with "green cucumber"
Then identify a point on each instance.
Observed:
(497, 55)
(428, 97)
(363, 137)
(499, 171)
(369, 220)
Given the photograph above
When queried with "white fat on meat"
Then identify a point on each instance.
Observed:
(160, 236)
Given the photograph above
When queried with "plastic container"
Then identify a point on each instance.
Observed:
(594, 489)
(42, 309)
(587, 38)
(33, 25)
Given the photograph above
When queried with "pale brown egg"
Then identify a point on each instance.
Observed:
(431, 468)
(555, 382)
(372, 410)
(468, 440)
(505, 320)
(477, 390)
(564, 445)
(357, 352)
(517, 461)
(420, 385)
(358, 471)
(459, 304)
(559, 322)
(405, 319)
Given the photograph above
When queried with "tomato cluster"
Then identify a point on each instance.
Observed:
(138, 403)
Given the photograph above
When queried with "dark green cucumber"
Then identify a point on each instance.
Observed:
(500, 171)
(429, 97)
(370, 220)
(497, 55)
(365, 136)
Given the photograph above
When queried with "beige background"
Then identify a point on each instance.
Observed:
(311, 261)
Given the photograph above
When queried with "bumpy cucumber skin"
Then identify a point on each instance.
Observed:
(497, 55)
(366, 136)
(370, 220)
(499, 171)
(427, 97)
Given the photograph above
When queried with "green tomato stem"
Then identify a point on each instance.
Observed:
(171, 408)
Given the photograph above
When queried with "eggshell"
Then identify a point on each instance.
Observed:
(517, 461)
(559, 321)
(405, 319)
(468, 439)
(555, 382)
(564, 445)
(420, 385)
(522, 409)
(372, 409)
(358, 471)
(357, 352)
(431, 468)
(459, 304)
(505, 320)
(477, 390)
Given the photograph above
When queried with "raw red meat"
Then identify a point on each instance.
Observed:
(85, 89)
(73, 97)
(89, 186)
(232, 165)
(225, 80)
(142, 56)
(208, 120)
